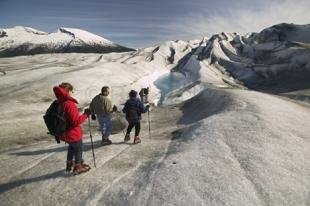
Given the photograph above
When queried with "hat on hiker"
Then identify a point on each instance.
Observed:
(132, 93)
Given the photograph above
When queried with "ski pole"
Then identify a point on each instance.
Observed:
(91, 140)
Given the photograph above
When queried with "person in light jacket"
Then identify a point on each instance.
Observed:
(101, 109)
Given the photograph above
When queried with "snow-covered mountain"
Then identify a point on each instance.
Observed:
(25, 41)
(276, 58)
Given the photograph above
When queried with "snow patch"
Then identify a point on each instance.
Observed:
(85, 36)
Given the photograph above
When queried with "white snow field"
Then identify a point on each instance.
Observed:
(213, 140)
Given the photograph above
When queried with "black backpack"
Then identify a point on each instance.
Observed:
(132, 114)
(55, 120)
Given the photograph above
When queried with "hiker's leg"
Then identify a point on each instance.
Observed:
(70, 152)
(108, 127)
(78, 151)
(137, 129)
(130, 126)
(105, 126)
(70, 162)
(106, 131)
(79, 167)
(101, 124)
(137, 140)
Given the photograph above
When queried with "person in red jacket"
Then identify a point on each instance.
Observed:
(74, 134)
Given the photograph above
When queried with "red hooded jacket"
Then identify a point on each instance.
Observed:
(74, 133)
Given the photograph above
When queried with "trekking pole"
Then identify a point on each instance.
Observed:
(124, 132)
(148, 114)
(119, 118)
(91, 140)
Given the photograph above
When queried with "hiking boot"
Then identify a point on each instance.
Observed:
(86, 166)
(70, 165)
(78, 169)
(106, 142)
(136, 140)
(127, 138)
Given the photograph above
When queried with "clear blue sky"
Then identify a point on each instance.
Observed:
(141, 23)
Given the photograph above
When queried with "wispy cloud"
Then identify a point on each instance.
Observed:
(243, 20)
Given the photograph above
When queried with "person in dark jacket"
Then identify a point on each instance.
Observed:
(73, 136)
(133, 109)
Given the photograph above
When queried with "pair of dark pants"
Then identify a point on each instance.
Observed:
(75, 150)
(137, 127)
(144, 98)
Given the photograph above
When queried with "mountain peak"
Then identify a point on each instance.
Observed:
(21, 40)
(85, 36)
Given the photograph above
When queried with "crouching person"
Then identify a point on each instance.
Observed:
(74, 134)
(101, 107)
(133, 109)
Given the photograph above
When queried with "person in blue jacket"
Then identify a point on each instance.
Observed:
(133, 109)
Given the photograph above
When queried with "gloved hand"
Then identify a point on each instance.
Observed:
(114, 108)
(147, 107)
(57, 140)
(93, 117)
(87, 111)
